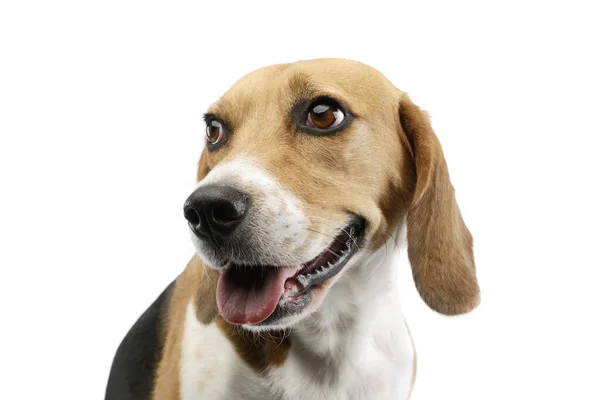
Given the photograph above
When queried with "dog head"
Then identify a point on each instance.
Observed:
(309, 167)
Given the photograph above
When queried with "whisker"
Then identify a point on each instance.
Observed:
(285, 335)
(338, 240)
(335, 237)
(328, 223)
(396, 245)
(322, 233)
(384, 257)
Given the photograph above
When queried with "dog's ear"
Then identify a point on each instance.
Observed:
(203, 168)
(440, 247)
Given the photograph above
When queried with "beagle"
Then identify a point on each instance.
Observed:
(310, 174)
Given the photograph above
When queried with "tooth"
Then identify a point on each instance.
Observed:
(302, 280)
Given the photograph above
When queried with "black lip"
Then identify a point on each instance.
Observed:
(355, 231)
(357, 227)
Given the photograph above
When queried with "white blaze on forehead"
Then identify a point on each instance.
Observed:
(241, 171)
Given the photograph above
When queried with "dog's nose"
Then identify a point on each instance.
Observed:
(215, 212)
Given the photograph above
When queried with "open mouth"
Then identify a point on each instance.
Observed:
(252, 294)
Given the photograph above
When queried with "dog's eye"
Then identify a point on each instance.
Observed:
(214, 132)
(324, 116)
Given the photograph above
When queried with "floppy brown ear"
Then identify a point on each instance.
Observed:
(440, 247)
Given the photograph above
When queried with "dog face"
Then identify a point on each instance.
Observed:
(309, 167)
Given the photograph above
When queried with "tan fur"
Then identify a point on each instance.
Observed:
(393, 168)
(258, 351)
(196, 282)
(186, 286)
(440, 247)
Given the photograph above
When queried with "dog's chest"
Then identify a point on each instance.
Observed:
(376, 366)
(372, 375)
(210, 368)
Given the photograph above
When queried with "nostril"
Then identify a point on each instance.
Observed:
(215, 212)
(191, 215)
(226, 212)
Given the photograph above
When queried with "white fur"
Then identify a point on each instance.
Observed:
(352, 345)
(205, 355)
(356, 346)
(277, 219)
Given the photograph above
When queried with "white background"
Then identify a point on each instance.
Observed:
(100, 123)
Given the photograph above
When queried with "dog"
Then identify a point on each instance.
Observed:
(311, 174)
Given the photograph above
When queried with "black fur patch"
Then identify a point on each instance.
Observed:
(134, 366)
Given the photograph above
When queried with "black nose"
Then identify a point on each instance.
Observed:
(215, 212)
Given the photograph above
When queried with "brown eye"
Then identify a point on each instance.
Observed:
(214, 132)
(324, 116)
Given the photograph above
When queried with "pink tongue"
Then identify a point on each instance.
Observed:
(249, 296)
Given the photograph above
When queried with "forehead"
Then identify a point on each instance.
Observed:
(356, 84)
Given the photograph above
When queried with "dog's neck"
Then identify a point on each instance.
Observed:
(358, 336)
(355, 346)
(347, 311)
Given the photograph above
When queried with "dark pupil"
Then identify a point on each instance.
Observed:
(320, 111)
(213, 131)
